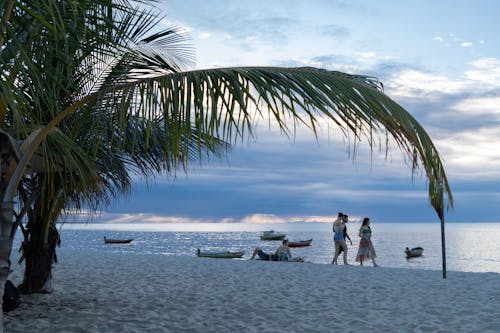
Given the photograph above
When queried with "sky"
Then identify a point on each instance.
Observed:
(439, 59)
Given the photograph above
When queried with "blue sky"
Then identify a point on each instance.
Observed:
(438, 59)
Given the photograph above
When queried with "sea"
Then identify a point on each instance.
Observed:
(469, 247)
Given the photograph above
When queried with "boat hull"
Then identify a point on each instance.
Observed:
(414, 253)
(273, 237)
(300, 243)
(117, 241)
(222, 255)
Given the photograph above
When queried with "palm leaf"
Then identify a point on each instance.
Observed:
(225, 103)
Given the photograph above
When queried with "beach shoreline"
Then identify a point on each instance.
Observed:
(116, 292)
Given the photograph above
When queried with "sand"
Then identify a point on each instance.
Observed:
(95, 292)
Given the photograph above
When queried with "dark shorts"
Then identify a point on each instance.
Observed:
(263, 255)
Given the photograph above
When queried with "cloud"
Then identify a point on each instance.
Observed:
(472, 154)
(479, 106)
(408, 81)
(485, 74)
(417, 84)
(486, 63)
(139, 219)
(461, 113)
(205, 35)
(452, 39)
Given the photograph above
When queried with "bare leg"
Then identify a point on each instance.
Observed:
(337, 250)
(254, 253)
(374, 263)
(345, 254)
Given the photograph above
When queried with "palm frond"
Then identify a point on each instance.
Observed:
(96, 62)
(225, 103)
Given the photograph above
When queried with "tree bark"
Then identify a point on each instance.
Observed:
(6, 239)
(39, 257)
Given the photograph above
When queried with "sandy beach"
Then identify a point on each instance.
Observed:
(153, 293)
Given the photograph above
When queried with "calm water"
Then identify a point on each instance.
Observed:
(470, 247)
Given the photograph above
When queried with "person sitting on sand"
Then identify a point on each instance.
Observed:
(283, 253)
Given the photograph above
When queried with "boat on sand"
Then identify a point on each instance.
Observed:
(220, 254)
(414, 252)
(272, 235)
(301, 243)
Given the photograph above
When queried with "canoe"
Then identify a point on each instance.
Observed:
(220, 254)
(117, 241)
(300, 243)
(414, 252)
(271, 235)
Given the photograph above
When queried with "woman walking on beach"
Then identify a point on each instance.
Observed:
(339, 238)
(366, 249)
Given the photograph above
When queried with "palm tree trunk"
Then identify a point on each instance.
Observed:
(39, 253)
(38, 269)
(6, 239)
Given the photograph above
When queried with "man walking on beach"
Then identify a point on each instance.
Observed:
(338, 237)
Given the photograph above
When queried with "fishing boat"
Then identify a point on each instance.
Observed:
(117, 241)
(220, 254)
(414, 252)
(301, 243)
(272, 235)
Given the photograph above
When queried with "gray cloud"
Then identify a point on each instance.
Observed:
(277, 177)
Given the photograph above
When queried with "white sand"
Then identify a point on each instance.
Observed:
(95, 292)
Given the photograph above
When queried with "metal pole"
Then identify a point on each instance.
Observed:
(443, 247)
(443, 244)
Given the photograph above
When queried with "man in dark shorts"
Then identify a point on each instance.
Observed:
(346, 236)
(281, 254)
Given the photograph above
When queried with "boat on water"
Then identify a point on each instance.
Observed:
(117, 241)
(272, 235)
(414, 252)
(301, 243)
(220, 254)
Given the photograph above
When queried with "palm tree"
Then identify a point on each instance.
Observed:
(60, 70)
(113, 169)
(69, 172)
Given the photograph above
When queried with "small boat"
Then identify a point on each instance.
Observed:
(220, 254)
(272, 235)
(117, 241)
(414, 252)
(301, 243)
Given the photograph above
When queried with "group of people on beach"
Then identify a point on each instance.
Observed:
(339, 228)
(365, 249)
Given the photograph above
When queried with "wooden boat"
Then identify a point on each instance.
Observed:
(414, 252)
(117, 241)
(272, 235)
(300, 243)
(220, 254)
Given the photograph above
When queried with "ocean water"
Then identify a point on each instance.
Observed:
(472, 247)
